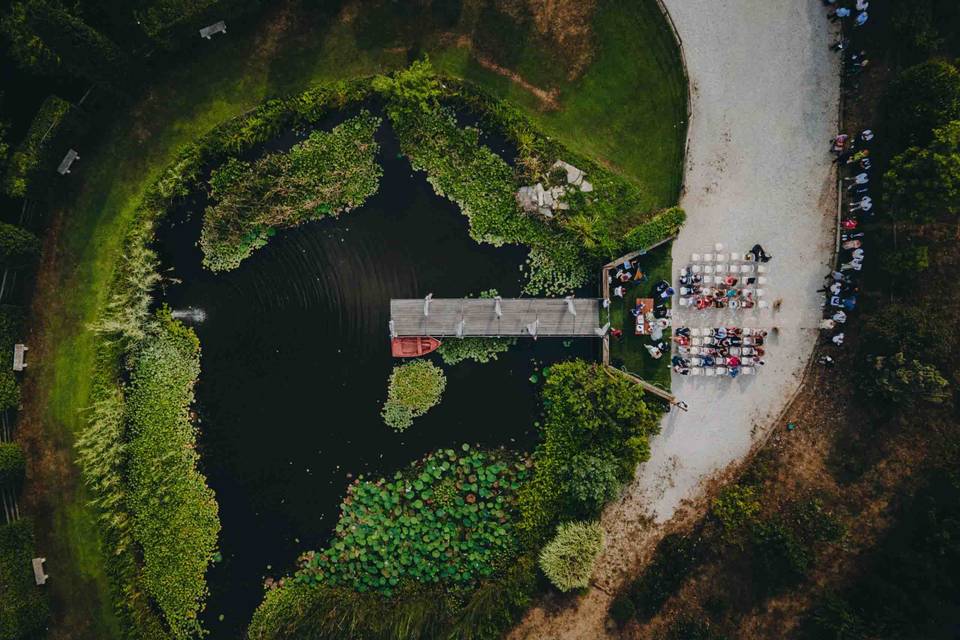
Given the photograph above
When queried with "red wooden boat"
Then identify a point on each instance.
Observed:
(413, 346)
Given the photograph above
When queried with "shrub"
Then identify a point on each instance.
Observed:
(390, 532)
(622, 610)
(568, 559)
(923, 185)
(736, 507)
(24, 608)
(414, 388)
(676, 556)
(920, 99)
(12, 463)
(904, 382)
(325, 175)
(780, 558)
(25, 47)
(903, 265)
(25, 161)
(662, 226)
(592, 482)
(415, 87)
(174, 512)
(18, 247)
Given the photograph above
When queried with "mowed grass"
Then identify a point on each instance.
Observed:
(626, 111)
(628, 352)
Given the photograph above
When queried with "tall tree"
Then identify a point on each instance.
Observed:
(923, 184)
(18, 246)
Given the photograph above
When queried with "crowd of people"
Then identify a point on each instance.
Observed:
(717, 280)
(718, 351)
(852, 154)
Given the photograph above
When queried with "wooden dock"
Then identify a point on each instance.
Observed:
(495, 317)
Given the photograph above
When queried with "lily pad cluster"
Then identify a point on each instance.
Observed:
(449, 518)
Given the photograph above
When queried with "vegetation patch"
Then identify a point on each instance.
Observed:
(447, 519)
(324, 175)
(24, 609)
(24, 163)
(568, 559)
(413, 389)
(174, 512)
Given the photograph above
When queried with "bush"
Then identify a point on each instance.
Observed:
(174, 512)
(662, 226)
(919, 100)
(622, 610)
(780, 558)
(903, 265)
(12, 463)
(24, 608)
(592, 482)
(675, 558)
(325, 175)
(588, 411)
(414, 388)
(923, 185)
(568, 559)
(905, 382)
(736, 508)
(18, 247)
(27, 50)
(25, 162)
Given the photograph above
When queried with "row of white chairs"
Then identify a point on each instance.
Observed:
(708, 280)
(733, 305)
(709, 291)
(719, 371)
(709, 331)
(710, 341)
(720, 257)
(719, 361)
(703, 351)
(721, 268)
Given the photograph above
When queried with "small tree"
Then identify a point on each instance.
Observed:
(736, 508)
(414, 388)
(906, 382)
(568, 559)
(923, 184)
(18, 247)
(922, 98)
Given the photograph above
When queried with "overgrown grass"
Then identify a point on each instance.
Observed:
(627, 111)
(628, 351)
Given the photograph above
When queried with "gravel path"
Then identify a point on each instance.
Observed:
(764, 101)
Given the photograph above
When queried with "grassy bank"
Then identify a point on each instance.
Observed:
(600, 115)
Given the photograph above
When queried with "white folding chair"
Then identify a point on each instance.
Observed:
(695, 333)
(748, 351)
(696, 268)
(761, 268)
(708, 257)
(763, 304)
(694, 257)
(709, 371)
(685, 302)
(685, 291)
(761, 280)
(720, 268)
(735, 351)
(695, 371)
(721, 257)
(696, 341)
(733, 305)
(696, 361)
(746, 268)
(761, 292)
(721, 371)
(748, 371)
(718, 246)
(695, 351)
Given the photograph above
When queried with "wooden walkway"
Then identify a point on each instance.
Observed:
(493, 317)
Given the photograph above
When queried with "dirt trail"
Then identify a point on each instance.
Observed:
(765, 90)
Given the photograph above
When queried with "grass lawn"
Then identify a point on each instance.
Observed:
(628, 351)
(628, 111)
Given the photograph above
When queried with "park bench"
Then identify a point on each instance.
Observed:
(215, 28)
(38, 575)
(19, 357)
(67, 161)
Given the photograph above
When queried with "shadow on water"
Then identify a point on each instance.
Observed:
(296, 359)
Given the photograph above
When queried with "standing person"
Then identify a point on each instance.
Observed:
(839, 317)
(759, 254)
(864, 204)
(860, 178)
(838, 339)
(826, 361)
(861, 19)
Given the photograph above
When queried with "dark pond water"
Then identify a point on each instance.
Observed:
(295, 364)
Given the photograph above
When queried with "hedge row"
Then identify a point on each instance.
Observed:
(24, 609)
(664, 225)
(25, 162)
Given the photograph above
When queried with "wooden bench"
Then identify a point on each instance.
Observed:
(646, 306)
(38, 575)
(19, 357)
(213, 29)
(67, 161)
